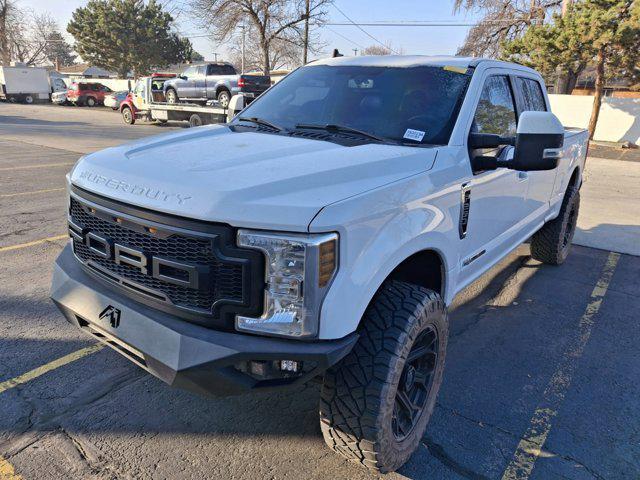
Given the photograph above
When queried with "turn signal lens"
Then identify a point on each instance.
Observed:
(327, 265)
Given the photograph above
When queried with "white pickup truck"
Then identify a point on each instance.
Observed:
(322, 234)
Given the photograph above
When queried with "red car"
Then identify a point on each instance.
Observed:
(89, 94)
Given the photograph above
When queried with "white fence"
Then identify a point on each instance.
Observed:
(619, 119)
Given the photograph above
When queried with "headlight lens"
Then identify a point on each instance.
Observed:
(299, 270)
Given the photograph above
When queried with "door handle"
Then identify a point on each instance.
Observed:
(522, 176)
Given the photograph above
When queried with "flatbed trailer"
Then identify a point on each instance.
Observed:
(195, 114)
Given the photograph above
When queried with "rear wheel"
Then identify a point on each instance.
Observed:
(127, 116)
(376, 403)
(28, 99)
(90, 102)
(195, 120)
(224, 97)
(551, 244)
(172, 96)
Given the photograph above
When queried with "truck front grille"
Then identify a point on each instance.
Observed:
(192, 272)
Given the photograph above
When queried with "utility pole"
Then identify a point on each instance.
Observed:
(355, 52)
(215, 57)
(243, 31)
(305, 47)
(565, 6)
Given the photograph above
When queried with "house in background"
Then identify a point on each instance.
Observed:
(84, 70)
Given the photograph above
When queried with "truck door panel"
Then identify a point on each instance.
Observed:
(496, 198)
(530, 97)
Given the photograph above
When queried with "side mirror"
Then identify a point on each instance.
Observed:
(182, 77)
(539, 138)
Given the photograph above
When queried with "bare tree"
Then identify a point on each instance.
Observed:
(272, 24)
(380, 50)
(6, 18)
(504, 20)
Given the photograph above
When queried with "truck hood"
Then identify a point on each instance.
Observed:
(247, 179)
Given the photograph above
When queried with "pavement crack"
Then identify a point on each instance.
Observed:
(440, 454)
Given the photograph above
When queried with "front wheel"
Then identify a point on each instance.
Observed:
(551, 244)
(377, 401)
(28, 99)
(90, 102)
(127, 116)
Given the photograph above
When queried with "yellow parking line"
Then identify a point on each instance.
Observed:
(31, 244)
(7, 472)
(47, 367)
(43, 165)
(531, 444)
(5, 195)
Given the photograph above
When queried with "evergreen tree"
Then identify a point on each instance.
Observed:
(126, 36)
(602, 33)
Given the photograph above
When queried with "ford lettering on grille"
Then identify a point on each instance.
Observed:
(164, 269)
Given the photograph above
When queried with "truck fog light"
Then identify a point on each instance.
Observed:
(290, 366)
(299, 269)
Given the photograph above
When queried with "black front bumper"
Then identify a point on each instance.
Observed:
(182, 354)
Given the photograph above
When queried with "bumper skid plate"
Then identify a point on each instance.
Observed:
(182, 354)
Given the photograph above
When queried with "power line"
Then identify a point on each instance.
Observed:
(346, 38)
(363, 30)
(422, 24)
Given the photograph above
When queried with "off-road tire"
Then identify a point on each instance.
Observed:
(172, 96)
(359, 393)
(551, 244)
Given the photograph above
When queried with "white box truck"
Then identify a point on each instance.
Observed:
(24, 84)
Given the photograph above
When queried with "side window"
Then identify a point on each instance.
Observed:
(189, 72)
(202, 70)
(227, 70)
(496, 112)
(213, 70)
(532, 95)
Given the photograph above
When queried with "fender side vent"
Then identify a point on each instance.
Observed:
(465, 206)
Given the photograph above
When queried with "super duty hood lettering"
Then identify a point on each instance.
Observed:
(133, 189)
(248, 179)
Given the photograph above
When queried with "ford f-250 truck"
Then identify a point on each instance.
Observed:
(322, 233)
(214, 81)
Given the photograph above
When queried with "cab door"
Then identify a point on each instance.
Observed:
(140, 95)
(492, 201)
(530, 97)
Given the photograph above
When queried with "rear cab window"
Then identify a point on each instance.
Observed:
(532, 96)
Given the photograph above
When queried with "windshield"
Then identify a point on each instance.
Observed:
(415, 105)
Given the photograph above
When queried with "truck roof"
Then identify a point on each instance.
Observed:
(406, 61)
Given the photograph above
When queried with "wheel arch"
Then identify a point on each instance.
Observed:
(575, 179)
(222, 87)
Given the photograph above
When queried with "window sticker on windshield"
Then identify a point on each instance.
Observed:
(416, 135)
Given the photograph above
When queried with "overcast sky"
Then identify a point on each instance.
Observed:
(412, 40)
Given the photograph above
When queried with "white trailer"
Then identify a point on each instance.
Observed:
(24, 84)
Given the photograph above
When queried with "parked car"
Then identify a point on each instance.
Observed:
(59, 98)
(115, 99)
(214, 81)
(89, 94)
(322, 234)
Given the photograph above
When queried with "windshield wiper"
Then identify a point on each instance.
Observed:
(330, 127)
(260, 121)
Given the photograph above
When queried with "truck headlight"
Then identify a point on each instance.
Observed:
(298, 272)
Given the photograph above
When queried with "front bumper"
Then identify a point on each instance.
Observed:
(182, 354)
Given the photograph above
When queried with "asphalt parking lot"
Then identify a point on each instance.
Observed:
(541, 379)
